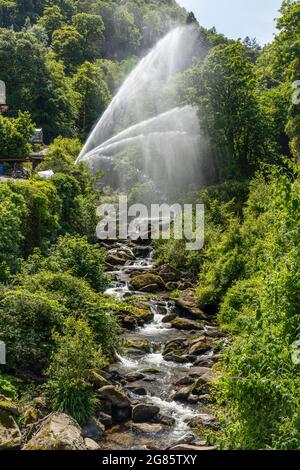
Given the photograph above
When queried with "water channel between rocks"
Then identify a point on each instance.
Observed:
(159, 374)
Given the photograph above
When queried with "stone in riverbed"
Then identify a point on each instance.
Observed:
(187, 304)
(203, 420)
(186, 324)
(147, 283)
(137, 388)
(105, 419)
(97, 380)
(94, 429)
(115, 402)
(91, 445)
(169, 317)
(182, 394)
(139, 346)
(165, 420)
(151, 370)
(145, 428)
(134, 376)
(178, 359)
(192, 448)
(115, 396)
(196, 372)
(143, 413)
(186, 380)
(199, 348)
(57, 432)
(114, 260)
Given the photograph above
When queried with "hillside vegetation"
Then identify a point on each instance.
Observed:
(62, 61)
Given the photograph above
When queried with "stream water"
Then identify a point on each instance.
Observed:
(160, 374)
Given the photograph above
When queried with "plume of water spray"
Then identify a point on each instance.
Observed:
(144, 113)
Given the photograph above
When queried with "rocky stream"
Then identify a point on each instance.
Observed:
(166, 367)
(157, 393)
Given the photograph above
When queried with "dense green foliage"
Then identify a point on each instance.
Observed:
(75, 358)
(15, 135)
(62, 61)
(50, 61)
(248, 271)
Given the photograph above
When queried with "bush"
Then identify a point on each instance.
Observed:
(9, 386)
(75, 255)
(80, 301)
(260, 375)
(236, 311)
(40, 225)
(75, 358)
(26, 324)
(83, 260)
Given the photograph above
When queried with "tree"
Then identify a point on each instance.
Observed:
(51, 20)
(37, 83)
(191, 19)
(68, 45)
(89, 82)
(224, 87)
(120, 29)
(61, 113)
(15, 135)
(91, 28)
(6, 7)
(13, 210)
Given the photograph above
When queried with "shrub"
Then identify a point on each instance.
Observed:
(40, 226)
(260, 375)
(26, 323)
(75, 358)
(82, 259)
(80, 300)
(9, 386)
(236, 311)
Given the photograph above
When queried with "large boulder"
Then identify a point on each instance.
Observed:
(143, 413)
(187, 304)
(57, 432)
(116, 402)
(186, 324)
(200, 347)
(147, 283)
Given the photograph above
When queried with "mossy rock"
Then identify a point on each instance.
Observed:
(31, 415)
(138, 345)
(58, 432)
(6, 404)
(10, 435)
(185, 324)
(147, 283)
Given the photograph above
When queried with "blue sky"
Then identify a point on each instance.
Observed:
(237, 18)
